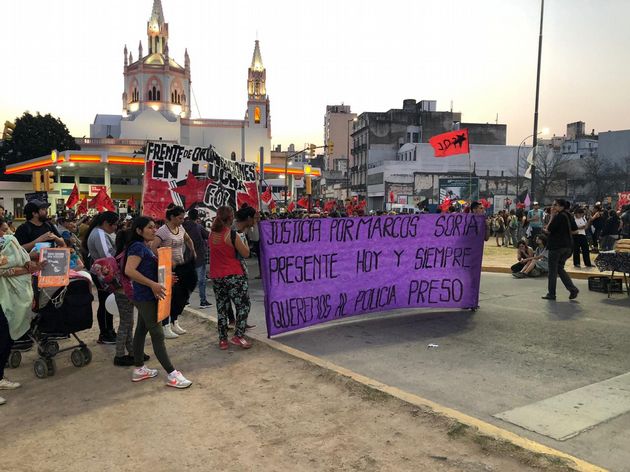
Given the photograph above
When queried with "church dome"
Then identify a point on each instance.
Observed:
(158, 59)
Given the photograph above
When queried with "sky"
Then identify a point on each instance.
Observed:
(65, 57)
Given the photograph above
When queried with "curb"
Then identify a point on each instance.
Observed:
(481, 426)
(572, 274)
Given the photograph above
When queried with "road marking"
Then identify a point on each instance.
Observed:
(483, 427)
(568, 414)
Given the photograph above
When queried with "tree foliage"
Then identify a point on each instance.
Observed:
(550, 171)
(35, 136)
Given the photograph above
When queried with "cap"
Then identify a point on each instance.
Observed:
(127, 218)
(536, 203)
(39, 204)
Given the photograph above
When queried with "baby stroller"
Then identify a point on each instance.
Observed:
(62, 313)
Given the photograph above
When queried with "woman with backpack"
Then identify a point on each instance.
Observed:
(498, 228)
(142, 268)
(229, 280)
(98, 244)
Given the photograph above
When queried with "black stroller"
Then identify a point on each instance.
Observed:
(63, 312)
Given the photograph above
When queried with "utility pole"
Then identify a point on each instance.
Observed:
(535, 143)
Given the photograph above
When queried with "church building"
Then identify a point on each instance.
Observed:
(156, 102)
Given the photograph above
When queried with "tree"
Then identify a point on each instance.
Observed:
(550, 171)
(597, 173)
(35, 136)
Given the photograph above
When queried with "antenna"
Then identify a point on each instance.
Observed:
(497, 122)
(451, 106)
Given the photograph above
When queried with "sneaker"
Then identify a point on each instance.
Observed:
(2, 401)
(106, 338)
(169, 333)
(177, 329)
(223, 344)
(240, 341)
(125, 361)
(6, 384)
(143, 373)
(177, 380)
(205, 304)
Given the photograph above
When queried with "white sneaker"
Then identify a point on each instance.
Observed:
(169, 333)
(143, 373)
(2, 401)
(6, 384)
(177, 329)
(177, 380)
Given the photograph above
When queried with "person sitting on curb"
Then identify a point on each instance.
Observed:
(538, 264)
(524, 254)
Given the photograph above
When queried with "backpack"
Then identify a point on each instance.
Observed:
(513, 222)
(125, 281)
(497, 224)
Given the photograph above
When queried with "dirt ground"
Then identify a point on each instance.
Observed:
(256, 410)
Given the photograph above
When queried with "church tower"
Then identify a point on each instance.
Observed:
(156, 81)
(257, 114)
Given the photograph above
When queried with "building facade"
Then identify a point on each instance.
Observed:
(378, 136)
(337, 126)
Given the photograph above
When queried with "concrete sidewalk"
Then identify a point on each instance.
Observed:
(500, 259)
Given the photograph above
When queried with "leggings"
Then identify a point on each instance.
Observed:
(5, 342)
(125, 325)
(105, 319)
(233, 288)
(147, 323)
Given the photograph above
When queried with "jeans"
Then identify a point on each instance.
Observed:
(5, 342)
(147, 323)
(580, 244)
(201, 282)
(557, 258)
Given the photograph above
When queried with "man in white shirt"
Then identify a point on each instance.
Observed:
(580, 241)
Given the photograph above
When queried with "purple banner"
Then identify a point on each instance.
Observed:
(325, 269)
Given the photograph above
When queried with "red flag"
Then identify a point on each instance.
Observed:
(266, 196)
(449, 144)
(392, 197)
(83, 207)
(291, 207)
(362, 204)
(102, 200)
(73, 199)
(330, 205)
(303, 202)
(272, 205)
(131, 203)
(445, 204)
(485, 203)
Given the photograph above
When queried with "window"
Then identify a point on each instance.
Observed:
(257, 115)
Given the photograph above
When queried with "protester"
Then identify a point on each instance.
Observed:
(142, 269)
(535, 218)
(610, 231)
(16, 297)
(199, 235)
(512, 229)
(560, 246)
(538, 264)
(523, 254)
(37, 228)
(580, 241)
(625, 221)
(498, 229)
(97, 244)
(173, 235)
(228, 277)
(596, 221)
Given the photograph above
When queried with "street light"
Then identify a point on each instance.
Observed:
(535, 135)
(544, 132)
(348, 160)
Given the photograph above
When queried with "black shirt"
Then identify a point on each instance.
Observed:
(561, 229)
(28, 232)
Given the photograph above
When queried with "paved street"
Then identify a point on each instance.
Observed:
(516, 350)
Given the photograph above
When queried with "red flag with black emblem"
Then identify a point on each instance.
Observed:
(452, 143)
(266, 196)
(303, 202)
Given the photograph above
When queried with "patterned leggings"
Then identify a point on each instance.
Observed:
(233, 288)
(124, 337)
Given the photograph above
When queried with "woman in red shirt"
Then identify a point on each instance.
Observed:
(229, 280)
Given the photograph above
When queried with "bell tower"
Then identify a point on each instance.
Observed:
(257, 99)
(157, 30)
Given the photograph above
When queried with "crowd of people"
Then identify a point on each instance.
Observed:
(118, 254)
(215, 252)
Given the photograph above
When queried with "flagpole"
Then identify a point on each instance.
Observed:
(535, 143)
(469, 177)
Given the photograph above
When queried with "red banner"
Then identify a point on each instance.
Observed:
(449, 144)
(73, 199)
